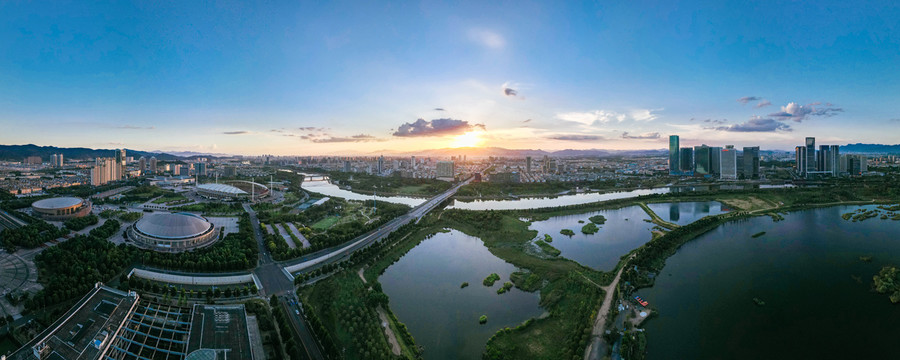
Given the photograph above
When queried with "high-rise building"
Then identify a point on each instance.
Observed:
(347, 166)
(728, 163)
(380, 167)
(528, 164)
(810, 154)
(142, 165)
(33, 160)
(687, 160)
(701, 160)
(674, 156)
(412, 162)
(800, 159)
(751, 162)
(201, 168)
(56, 160)
(833, 160)
(444, 169)
(153, 164)
(715, 160)
(104, 171)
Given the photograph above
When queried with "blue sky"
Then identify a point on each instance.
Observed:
(355, 77)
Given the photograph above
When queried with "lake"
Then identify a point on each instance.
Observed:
(425, 293)
(683, 213)
(803, 268)
(603, 249)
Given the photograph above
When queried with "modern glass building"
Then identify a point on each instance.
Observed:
(687, 160)
(674, 156)
(715, 160)
(810, 154)
(728, 158)
(751, 162)
(701, 160)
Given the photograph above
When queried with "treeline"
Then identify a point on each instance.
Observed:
(30, 236)
(387, 184)
(77, 224)
(237, 251)
(287, 339)
(69, 269)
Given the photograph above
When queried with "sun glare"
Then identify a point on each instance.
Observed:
(469, 139)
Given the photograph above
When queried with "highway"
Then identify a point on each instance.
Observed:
(367, 239)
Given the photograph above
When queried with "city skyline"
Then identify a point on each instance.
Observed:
(357, 79)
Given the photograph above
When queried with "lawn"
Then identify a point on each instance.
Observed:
(169, 198)
(326, 223)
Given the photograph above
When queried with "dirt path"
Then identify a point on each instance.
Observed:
(395, 346)
(592, 351)
(360, 272)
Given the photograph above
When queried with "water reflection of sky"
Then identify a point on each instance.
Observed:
(683, 213)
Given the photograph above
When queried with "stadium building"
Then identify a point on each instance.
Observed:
(233, 190)
(61, 208)
(110, 324)
(172, 232)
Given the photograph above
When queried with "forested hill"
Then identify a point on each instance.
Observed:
(20, 152)
(871, 148)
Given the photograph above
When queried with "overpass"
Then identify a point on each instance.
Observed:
(365, 240)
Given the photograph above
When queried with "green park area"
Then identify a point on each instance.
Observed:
(389, 185)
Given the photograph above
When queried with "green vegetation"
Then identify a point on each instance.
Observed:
(496, 189)
(589, 229)
(529, 282)
(213, 208)
(567, 232)
(237, 251)
(761, 233)
(130, 216)
(77, 224)
(345, 308)
(141, 194)
(759, 302)
(272, 342)
(865, 258)
(70, 268)
(394, 184)
(291, 348)
(548, 238)
(547, 248)
(847, 216)
(506, 286)
(634, 345)
(598, 219)
(30, 236)
(464, 285)
(482, 320)
(888, 282)
(491, 279)
(170, 199)
(325, 223)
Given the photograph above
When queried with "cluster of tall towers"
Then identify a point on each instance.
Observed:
(712, 161)
(827, 161)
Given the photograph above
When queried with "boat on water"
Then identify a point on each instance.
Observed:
(641, 301)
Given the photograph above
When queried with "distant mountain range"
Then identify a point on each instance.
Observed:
(871, 148)
(20, 152)
(496, 151)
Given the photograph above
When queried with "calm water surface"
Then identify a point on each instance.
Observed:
(542, 202)
(424, 288)
(683, 213)
(803, 268)
(602, 250)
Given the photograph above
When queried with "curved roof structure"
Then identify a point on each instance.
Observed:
(222, 188)
(202, 354)
(57, 203)
(172, 226)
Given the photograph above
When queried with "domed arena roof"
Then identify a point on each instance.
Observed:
(57, 203)
(172, 226)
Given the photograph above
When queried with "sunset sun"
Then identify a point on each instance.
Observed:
(469, 139)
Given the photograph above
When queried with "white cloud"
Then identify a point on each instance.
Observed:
(603, 116)
(487, 38)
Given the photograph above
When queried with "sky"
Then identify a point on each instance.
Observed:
(344, 77)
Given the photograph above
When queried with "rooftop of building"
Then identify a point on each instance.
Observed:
(57, 203)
